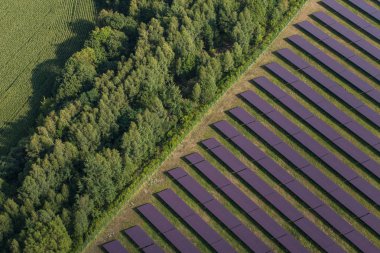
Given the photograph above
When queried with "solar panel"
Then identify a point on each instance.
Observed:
(351, 150)
(342, 169)
(284, 74)
(180, 242)
(373, 220)
(295, 187)
(301, 42)
(255, 182)
(359, 240)
(276, 171)
(212, 174)
(334, 219)
(252, 98)
(284, 207)
(368, 48)
(265, 84)
(269, 224)
(295, 107)
(365, 7)
(369, 114)
(313, 30)
(177, 173)
(348, 202)
(374, 95)
(366, 67)
(306, 196)
(222, 247)
(363, 133)
(339, 48)
(241, 200)
(323, 128)
(284, 123)
(354, 19)
(217, 209)
(244, 234)
(202, 229)
(242, 115)
(292, 156)
(231, 161)
(308, 92)
(226, 129)
(192, 186)
(210, 143)
(320, 179)
(255, 153)
(139, 236)
(289, 244)
(261, 131)
(155, 218)
(348, 35)
(174, 202)
(371, 165)
(292, 58)
(114, 247)
(194, 158)
(316, 235)
(221, 213)
(152, 249)
(312, 145)
(363, 186)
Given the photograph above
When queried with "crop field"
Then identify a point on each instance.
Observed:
(36, 39)
(355, 205)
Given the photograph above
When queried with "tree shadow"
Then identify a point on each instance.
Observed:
(43, 82)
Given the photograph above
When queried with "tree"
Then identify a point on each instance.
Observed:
(47, 235)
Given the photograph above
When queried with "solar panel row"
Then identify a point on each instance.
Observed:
(166, 228)
(142, 240)
(225, 217)
(330, 63)
(349, 175)
(328, 84)
(193, 220)
(366, 8)
(338, 48)
(247, 205)
(296, 188)
(114, 247)
(319, 101)
(353, 18)
(349, 35)
(319, 125)
(300, 163)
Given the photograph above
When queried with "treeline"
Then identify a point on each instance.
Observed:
(148, 65)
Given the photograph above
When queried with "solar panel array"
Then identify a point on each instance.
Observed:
(285, 179)
(366, 8)
(353, 18)
(290, 168)
(348, 34)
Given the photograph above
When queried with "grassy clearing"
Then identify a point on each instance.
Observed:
(36, 39)
(128, 217)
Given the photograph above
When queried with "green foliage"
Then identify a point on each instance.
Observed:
(119, 101)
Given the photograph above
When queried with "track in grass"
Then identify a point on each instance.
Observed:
(36, 39)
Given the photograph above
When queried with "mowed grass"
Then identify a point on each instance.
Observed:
(128, 216)
(37, 37)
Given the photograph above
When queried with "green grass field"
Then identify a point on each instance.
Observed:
(37, 37)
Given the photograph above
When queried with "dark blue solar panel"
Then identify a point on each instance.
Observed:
(372, 221)
(220, 212)
(174, 202)
(351, 150)
(254, 152)
(298, 62)
(231, 161)
(368, 189)
(240, 199)
(306, 196)
(139, 236)
(212, 174)
(302, 43)
(152, 249)
(261, 131)
(360, 241)
(368, 48)
(226, 129)
(266, 222)
(313, 30)
(284, 207)
(268, 86)
(255, 182)
(278, 70)
(342, 169)
(348, 202)
(253, 243)
(210, 143)
(203, 229)
(334, 219)
(194, 158)
(319, 178)
(252, 99)
(195, 190)
(181, 243)
(155, 218)
(177, 173)
(289, 154)
(275, 170)
(114, 247)
(242, 115)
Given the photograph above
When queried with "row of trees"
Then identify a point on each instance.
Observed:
(147, 65)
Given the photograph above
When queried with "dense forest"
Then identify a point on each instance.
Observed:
(147, 66)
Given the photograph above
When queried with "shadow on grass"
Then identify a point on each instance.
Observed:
(43, 85)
